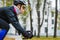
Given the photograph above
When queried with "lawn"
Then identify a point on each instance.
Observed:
(44, 38)
(39, 38)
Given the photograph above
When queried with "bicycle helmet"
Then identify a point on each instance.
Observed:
(16, 2)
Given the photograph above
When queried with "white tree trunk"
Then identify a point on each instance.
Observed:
(4, 2)
(1, 3)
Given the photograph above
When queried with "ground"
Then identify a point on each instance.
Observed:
(37, 38)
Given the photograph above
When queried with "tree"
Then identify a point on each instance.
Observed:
(49, 5)
(4, 2)
(56, 14)
(1, 3)
(9, 2)
(38, 14)
(24, 16)
(30, 11)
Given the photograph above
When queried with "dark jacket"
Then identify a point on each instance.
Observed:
(9, 15)
(3, 13)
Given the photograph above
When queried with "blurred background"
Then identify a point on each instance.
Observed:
(42, 17)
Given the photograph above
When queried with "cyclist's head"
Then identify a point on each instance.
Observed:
(20, 4)
(17, 2)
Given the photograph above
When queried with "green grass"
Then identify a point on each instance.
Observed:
(44, 38)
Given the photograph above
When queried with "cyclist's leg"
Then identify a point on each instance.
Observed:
(4, 26)
(2, 33)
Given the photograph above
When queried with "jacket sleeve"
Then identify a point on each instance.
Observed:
(15, 23)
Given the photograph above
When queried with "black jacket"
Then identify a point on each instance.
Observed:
(3, 13)
(8, 14)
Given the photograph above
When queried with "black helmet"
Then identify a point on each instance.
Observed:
(16, 2)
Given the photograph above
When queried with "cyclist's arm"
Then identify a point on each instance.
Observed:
(15, 23)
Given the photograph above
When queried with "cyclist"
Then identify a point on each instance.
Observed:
(9, 15)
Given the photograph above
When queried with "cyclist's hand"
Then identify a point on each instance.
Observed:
(28, 35)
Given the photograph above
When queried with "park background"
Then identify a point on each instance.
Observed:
(42, 17)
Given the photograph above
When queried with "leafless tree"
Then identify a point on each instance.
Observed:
(56, 14)
(30, 11)
(38, 14)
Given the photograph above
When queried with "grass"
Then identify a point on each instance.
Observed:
(38, 38)
(44, 38)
